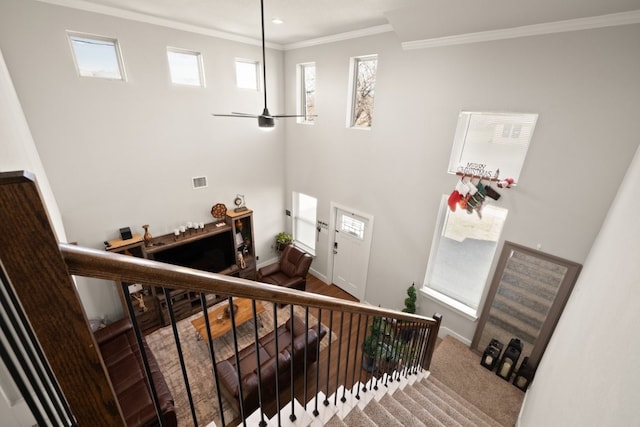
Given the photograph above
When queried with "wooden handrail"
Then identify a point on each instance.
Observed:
(111, 266)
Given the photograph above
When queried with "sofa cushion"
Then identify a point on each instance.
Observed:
(282, 279)
(228, 377)
(248, 361)
(294, 262)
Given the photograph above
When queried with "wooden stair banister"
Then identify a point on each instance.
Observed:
(39, 270)
(109, 266)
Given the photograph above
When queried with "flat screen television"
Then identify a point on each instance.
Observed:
(214, 253)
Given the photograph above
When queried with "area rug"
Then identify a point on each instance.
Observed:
(458, 367)
(198, 362)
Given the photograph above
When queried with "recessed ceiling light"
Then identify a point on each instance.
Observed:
(277, 21)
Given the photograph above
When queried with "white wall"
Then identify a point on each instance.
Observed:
(584, 85)
(594, 351)
(18, 152)
(123, 153)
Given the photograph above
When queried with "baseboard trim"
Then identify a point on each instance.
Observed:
(320, 276)
(443, 332)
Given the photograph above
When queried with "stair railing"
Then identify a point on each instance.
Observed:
(39, 270)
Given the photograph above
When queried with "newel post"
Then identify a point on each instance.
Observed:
(431, 344)
(39, 277)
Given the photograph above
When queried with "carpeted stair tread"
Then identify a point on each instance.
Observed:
(422, 412)
(458, 410)
(379, 415)
(441, 408)
(466, 408)
(335, 421)
(401, 413)
(357, 418)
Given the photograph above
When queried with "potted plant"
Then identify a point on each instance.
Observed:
(379, 349)
(371, 344)
(283, 239)
(409, 307)
(410, 300)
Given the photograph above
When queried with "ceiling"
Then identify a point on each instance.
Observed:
(306, 20)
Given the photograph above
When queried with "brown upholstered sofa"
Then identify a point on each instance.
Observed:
(122, 358)
(228, 374)
(290, 271)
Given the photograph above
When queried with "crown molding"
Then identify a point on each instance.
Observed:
(379, 29)
(149, 19)
(610, 20)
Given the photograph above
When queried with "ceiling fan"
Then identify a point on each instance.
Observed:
(266, 120)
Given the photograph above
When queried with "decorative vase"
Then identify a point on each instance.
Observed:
(147, 236)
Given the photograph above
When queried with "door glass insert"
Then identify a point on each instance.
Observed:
(352, 226)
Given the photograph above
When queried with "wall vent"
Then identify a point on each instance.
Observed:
(199, 182)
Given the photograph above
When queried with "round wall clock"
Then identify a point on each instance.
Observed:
(219, 211)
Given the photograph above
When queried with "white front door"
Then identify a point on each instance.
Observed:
(351, 247)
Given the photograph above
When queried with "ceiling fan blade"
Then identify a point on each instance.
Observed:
(265, 120)
(278, 116)
(239, 115)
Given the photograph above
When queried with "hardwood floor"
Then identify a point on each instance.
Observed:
(342, 366)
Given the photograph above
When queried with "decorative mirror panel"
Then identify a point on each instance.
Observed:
(528, 293)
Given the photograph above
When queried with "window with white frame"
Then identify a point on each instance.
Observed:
(461, 255)
(307, 92)
(304, 221)
(97, 56)
(247, 76)
(362, 84)
(185, 67)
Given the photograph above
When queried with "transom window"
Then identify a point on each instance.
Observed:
(97, 56)
(185, 67)
(363, 84)
(307, 92)
(247, 74)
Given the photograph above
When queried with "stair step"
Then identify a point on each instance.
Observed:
(399, 411)
(342, 408)
(325, 413)
(380, 416)
(334, 421)
(358, 418)
(419, 411)
(457, 402)
(303, 419)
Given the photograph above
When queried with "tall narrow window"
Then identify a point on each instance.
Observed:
(185, 67)
(363, 84)
(97, 56)
(304, 221)
(307, 92)
(247, 74)
(461, 255)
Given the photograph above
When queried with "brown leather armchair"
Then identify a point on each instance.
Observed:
(291, 271)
